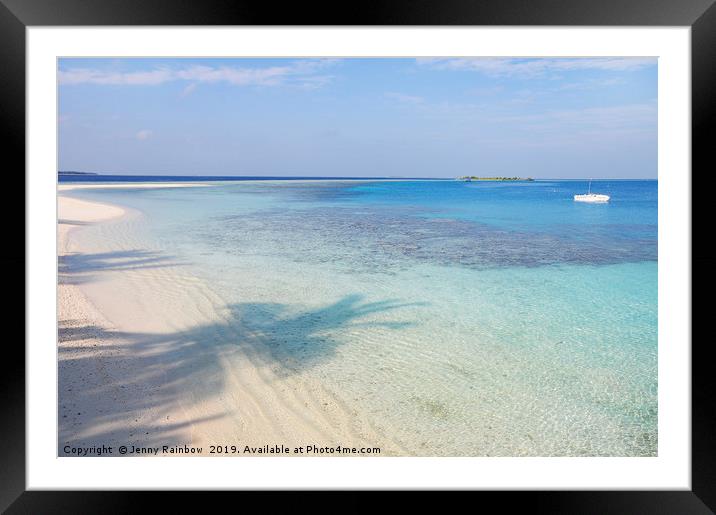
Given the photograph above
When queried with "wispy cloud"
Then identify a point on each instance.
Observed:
(540, 125)
(405, 99)
(632, 122)
(604, 117)
(104, 77)
(188, 90)
(523, 67)
(486, 90)
(144, 134)
(591, 84)
(303, 73)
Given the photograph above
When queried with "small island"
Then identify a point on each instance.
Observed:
(69, 172)
(469, 178)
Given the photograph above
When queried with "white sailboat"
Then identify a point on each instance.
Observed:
(591, 197)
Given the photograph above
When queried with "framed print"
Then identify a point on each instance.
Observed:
(445, 248)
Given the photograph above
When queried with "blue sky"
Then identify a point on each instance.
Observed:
(431, 117)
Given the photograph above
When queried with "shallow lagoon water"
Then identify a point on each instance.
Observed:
(475, 319)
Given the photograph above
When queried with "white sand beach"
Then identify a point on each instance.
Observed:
(146, 360)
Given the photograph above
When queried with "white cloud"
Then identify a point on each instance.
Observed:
(625, 123)
(485, 91)
(592, 84)
(511, 67)
(406, 99)
(304, 73)
(144, 134)
(188, 90)
(605, 117)
(88, 76)
(539, 126)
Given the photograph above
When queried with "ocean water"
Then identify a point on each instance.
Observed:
(463, 319)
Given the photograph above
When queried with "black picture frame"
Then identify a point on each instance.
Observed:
(16, 15)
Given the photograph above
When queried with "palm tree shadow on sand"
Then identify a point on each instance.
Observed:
(128, 393)
(82, 267)
(295, 341)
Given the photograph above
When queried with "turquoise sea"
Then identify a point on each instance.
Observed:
(463, 318)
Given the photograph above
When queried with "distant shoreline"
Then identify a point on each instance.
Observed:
(133, 185)
(221, 178)
(82, 177)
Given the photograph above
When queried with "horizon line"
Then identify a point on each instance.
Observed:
(139, 174)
